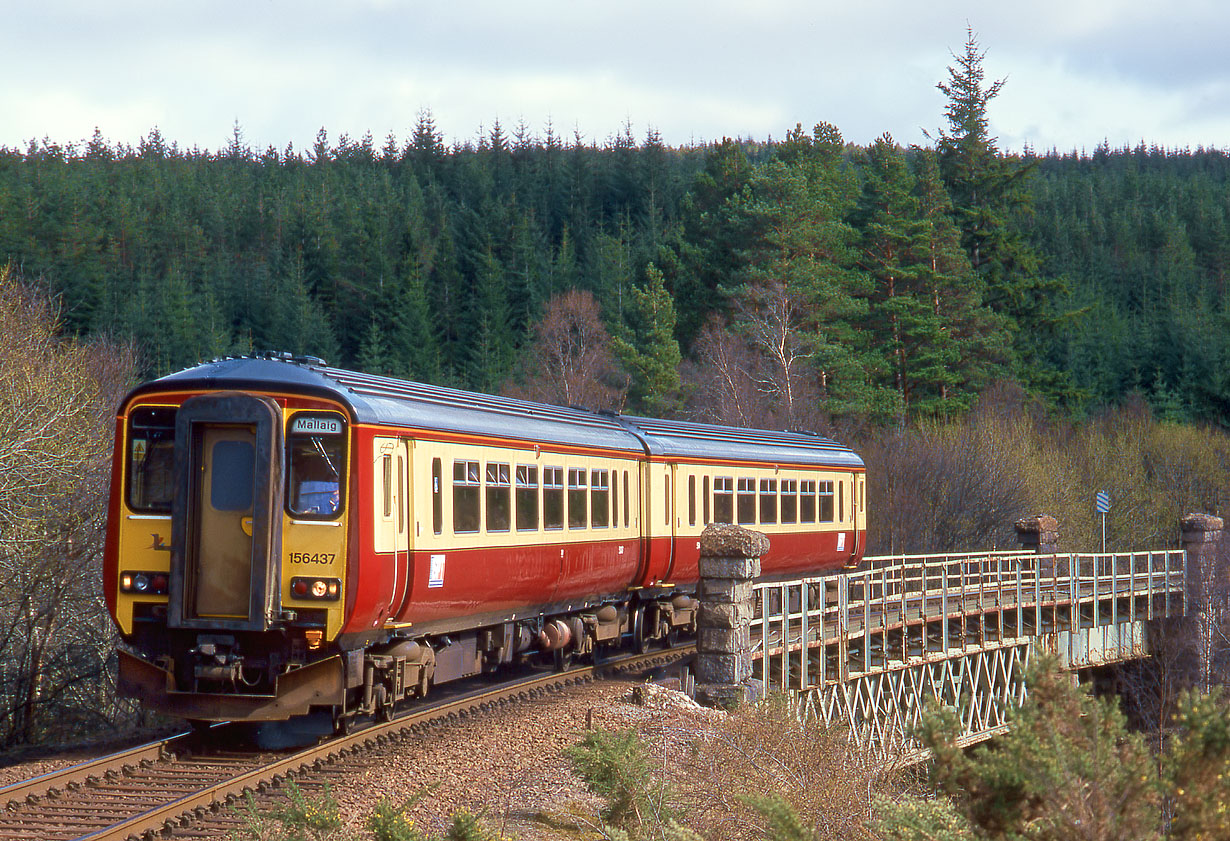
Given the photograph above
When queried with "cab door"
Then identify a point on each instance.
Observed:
(226, 538)
(225, 483)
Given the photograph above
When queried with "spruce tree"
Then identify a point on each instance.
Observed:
(991, 198)
(648, 349)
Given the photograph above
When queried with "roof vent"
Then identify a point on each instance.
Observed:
(287, 356)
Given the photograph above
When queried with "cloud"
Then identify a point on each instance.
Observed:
(1077, 71)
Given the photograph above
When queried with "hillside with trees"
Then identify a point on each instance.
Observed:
(781, 283)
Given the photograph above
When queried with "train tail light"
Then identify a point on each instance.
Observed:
(318, 589)
(144, 583)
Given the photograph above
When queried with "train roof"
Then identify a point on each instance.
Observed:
(699, 441)
(386, 401)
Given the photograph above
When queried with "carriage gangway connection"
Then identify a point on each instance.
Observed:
(868, 649)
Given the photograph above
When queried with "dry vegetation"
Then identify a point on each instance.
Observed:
(57, 398)
(960, 485)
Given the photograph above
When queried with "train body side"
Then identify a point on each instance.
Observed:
(383, 528)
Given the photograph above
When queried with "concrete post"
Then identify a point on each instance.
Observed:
(1038, 533)
(729, 560)
(1206, 585)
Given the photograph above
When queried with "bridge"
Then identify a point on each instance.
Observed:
(870, 648)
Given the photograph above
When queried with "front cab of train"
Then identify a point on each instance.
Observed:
(226, 553)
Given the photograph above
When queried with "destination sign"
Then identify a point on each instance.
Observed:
(316, 426)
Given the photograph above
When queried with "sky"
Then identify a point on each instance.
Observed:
(1077, 72)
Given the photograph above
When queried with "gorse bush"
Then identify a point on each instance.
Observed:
(615, 766)
(318, 818)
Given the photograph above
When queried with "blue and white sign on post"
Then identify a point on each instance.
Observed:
(1103, 507)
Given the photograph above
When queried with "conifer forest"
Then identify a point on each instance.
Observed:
(759, 282)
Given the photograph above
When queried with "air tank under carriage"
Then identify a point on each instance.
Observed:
(284, 536)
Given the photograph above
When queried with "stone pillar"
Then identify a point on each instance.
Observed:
(1206, 584)
(1038, 533)
(729, 560)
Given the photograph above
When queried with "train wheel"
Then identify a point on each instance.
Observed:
(640, 642)
(564, 659)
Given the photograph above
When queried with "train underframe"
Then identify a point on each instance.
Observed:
(276, 675)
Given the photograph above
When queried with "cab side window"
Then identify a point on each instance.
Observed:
(151, 459)
(316, 453)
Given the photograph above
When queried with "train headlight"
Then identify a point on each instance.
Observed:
(144, 583)
(316, 589)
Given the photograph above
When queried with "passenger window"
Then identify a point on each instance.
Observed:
(627, 517)
(747, 500)
(615, 498)
(527, 497)
(553, 497)
(386, 463)
(705, 499)
(826, 502)
(600, 498)
(691, 500)
(790, 500)
(499, 497)
(578, 516)
(841, 506)
(666, 505)
(723, 499)
(151, 459)
(465, 497)
(437, 496)
(768, 500)
(807, 501)
(401, 495)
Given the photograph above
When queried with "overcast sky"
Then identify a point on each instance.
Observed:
(1077, 71)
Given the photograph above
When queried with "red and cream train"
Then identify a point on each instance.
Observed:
(285, 537)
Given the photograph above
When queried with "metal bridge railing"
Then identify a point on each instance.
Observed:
(815, 632)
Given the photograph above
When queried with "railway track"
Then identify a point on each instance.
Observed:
(162, 788)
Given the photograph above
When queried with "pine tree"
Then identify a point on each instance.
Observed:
(925, 306)
(801, 292)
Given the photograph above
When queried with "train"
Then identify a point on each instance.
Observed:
(287, 538)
